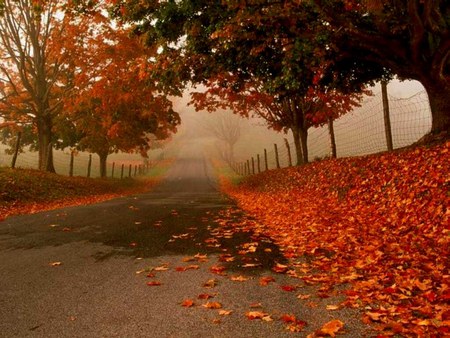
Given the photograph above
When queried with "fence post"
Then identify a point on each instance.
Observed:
(258, 160)
(266, 162)
(72, 159)
(121, 173)
(288, 147)
(332, 137)
(16, 149)
(277, 159)
(253, 166)
(387, 119)
(129, 170)
(248, 167)
(112, 170)
(89, 166)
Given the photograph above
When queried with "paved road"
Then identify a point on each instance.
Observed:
(97, 292)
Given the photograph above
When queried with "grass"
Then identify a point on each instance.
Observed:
(27, 191)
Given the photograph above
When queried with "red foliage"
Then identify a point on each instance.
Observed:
(379, 223)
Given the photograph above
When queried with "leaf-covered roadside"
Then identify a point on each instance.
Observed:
(379, 223)
(25, 191)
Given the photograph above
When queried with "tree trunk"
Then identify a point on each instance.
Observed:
(103, 158)
(44, 127)
(304, 142)
(438, 94)
(298, 146)
(332, 137)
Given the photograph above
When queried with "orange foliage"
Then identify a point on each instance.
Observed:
(379, 223)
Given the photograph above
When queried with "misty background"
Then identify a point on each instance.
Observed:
(360, 132)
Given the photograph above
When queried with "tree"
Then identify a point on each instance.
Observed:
(115, 108)
(411, 38)
(227, 128)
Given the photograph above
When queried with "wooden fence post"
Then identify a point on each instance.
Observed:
(253, 166)
(121, 173)
(248, 167)
(129, 170)
(277, 159)
(258, 160)
(387, 119)
(135, 170)
(266, 162)
(89, 166)
(112, 170)
(16, 149)
(288, 147)
(72, 159)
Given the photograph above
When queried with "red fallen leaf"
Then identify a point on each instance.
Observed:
(266, 280)
(205, 296)
(217, 269)
(332, 327)
(66, 229)
(133, 244)
(431, 296)
(153, 283)
(288, 287)
(288, 318)
(180, 268)
(187, 303)
(255, 305)
(150, 275)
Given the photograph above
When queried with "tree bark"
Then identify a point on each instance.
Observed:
(304, 143)
(438, 95)
(44, 128)
(103, 158)
(332, 137)
(297, 145)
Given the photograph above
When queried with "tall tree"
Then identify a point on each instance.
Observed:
(410, 38)
(115, 108)
(30, 68)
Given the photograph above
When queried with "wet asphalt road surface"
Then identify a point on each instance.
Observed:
(102, 254)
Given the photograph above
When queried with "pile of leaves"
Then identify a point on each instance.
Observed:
(377, 224)
(25, 191)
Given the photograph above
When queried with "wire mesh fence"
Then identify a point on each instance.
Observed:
(360, 132)
(123, 165)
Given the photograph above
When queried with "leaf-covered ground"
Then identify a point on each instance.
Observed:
(379, 224)
(24, 191)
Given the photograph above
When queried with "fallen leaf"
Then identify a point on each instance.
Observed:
(225, 312)
(332, 327)
(332, 307)
(206, 296)
(55, 263)
(297, 326)
(288, 318)
(239, 278)
(288, 288)
(161, 268)
(218, 270)
(255, 305)
(256, 315)
(212, 305)
(153, 283)
(280, 268)
(66, 229)
(266, 280)
(300, 296)
(187, 303)
(210, 283)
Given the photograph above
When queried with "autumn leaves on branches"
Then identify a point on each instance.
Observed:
(74, 78)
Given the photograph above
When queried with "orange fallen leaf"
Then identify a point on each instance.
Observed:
(280, 268)
(161, 268)
(300, 296)
(239, 278)
(210, 283)
(332, 307)
(55, 263)
(332, 327)
(217, 269)
(225, 312)
(212, 305)
(187, 303)
(153, 283)
(288, 318)
(288, 288)
(258, 315)
(263, 281)
(255, 305)
(205, 296)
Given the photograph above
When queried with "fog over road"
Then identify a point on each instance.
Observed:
(96, 292)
